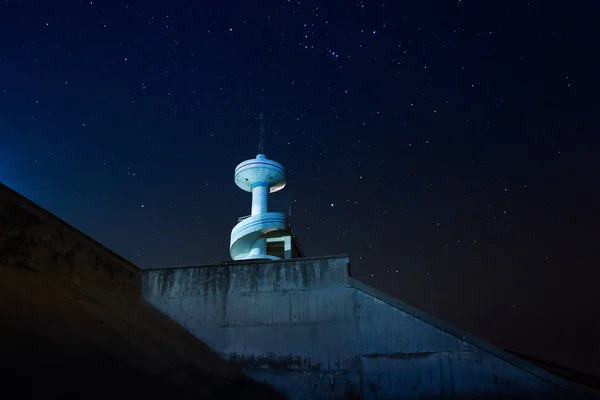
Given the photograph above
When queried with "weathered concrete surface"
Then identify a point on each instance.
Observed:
(306, 327)
(73, 323)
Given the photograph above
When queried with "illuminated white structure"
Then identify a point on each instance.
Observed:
(262, 234)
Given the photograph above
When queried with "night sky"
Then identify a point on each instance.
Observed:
(450, 147)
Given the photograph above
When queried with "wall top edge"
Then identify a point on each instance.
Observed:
(246, 262)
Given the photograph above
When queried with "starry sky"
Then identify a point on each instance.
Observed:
(449, 147)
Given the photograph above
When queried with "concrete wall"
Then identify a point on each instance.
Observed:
(306, 327)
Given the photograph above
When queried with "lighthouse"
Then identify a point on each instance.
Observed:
(263, 234)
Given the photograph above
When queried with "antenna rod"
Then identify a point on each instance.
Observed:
(261, 136)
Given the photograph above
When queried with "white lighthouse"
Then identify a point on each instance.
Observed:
(262, 234)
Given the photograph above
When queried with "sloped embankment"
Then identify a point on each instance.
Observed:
(73, 323)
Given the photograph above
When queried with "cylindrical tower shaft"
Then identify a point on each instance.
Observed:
(260, 196)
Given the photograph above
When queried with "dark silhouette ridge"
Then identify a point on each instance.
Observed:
(73, 323)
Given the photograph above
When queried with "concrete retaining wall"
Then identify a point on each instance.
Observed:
(306, 327)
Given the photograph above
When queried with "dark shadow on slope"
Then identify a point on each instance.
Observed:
(73, 323)
(586, 381)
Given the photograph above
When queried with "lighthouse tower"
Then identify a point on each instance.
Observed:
(262, 234)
